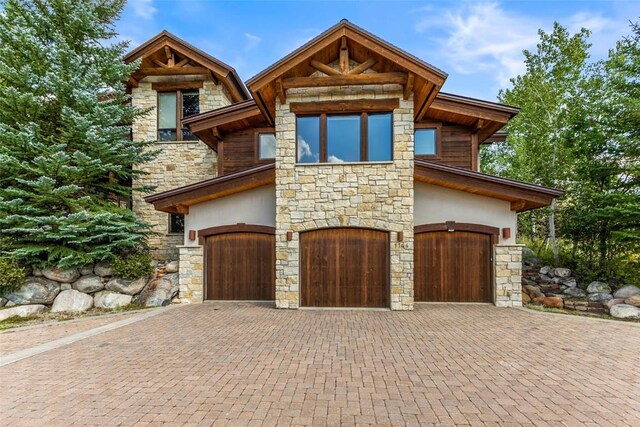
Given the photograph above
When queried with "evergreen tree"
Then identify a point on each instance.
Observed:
(65, 149)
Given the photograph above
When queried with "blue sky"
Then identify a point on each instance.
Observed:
(478, 43)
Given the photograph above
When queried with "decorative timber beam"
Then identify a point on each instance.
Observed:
(324, 68)
(344, 56)
(363, 67)
(282, 95)
(408, 87)
(345, 80)
(150, 71)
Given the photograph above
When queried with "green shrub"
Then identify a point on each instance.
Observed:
(11, 276)
(133, 266)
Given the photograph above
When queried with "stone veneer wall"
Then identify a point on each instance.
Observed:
(177, 164)
(371, 195)
(191, 274)
(508, 275)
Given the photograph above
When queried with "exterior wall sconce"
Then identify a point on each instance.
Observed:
(506, 233)
(289, 236)
(192, 234)
(400, 236)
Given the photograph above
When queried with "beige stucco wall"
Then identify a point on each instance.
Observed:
(257, 206)
(177, 164)
(435, 204)
(372, 195)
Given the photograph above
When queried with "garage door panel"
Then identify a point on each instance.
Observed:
(452, 266)
(240, 266)
(344, 267)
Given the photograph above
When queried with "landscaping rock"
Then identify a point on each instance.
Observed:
(22, 311)
(612, 302)
(108, 299)
(545, 270)
(561, 272)
(627, 291)
(3, 301)
(525, 298)
(89, 284)
(128, 287)
(600, 296)
(575, 292)
(633, 300)
(171, 267)
(159, 292)
(527, 253)
(72, 300)
(36, 272)
(10, 304)
(86, 270)
(598, 287)
(62, 276)
(65, 286)
(570, 283)
(36, 290)
(103, 269)
(553, 302)
(538, 300)
(533, 291)
(620, 311)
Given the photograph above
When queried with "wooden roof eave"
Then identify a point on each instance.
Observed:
(179, 199)
(522, 196)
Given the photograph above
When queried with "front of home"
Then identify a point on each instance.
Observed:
(343, 177)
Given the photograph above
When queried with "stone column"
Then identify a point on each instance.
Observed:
(508, 275)
(191, 274)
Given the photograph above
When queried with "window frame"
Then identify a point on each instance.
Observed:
(364, 135)
(256, 136)
(438, 146)
(169, 230)
(179, 93)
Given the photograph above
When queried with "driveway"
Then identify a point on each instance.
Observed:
(243, 364)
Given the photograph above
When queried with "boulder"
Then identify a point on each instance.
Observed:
(65, 286)
(553, 302)
(173, 278)
(36, 272)
(22, 311)
(3, 301)
(570, 283)
(538, 300)
(633, 300)
(128, 287)
(575, 292)
(62, 276)
(533, 291)
(620, 311)
(561, 272)
(72, 300)
(88, 284)
(627, 291)
(527, 253)
(159, 292)
(171, 267)
(612, 302)
(526, 298)
(86, 270)
(36, 290)
(108, 299)
(546, 270)
(103, 269)
(598, 287)
(600, 296)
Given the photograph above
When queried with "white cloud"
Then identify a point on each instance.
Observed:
(143, 8)
(334, 159)
(252, 41)
(304, 150)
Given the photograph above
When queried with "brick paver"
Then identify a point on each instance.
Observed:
(240, 364)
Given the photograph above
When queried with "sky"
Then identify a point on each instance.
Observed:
(478, 43)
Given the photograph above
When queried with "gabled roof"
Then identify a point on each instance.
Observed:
(183, 59)
(421, 78)
(522, 195)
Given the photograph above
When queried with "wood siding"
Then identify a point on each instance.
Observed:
(452, 266)
(455, 146)
(240, 266)
(344, 267)
(239, 152)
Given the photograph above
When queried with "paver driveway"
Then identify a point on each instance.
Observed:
(243, 364)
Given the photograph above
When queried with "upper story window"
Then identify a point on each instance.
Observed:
(339, 138)
(172, 108)
(427, 141)
(266, 146)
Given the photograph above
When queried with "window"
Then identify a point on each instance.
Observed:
(426, 142)
(176, 223)
(172, 108)
(339, 138)
(266, 146)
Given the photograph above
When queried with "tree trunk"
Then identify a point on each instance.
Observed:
(552, 230)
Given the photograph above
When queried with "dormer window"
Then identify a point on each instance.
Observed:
(344, 138)
(172, 108)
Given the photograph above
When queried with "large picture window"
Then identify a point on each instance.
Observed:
(339, 138)
(172, 108)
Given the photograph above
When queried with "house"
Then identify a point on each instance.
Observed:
(343, 177)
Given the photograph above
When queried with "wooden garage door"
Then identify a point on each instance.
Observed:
(344, 267)
(240, 265)
(452, 266)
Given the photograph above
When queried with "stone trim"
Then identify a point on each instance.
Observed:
(191, 274)
(508, 275)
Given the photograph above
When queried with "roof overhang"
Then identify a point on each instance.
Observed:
(168, 55)
(344, 42)
(522, 196)
(178, 200)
